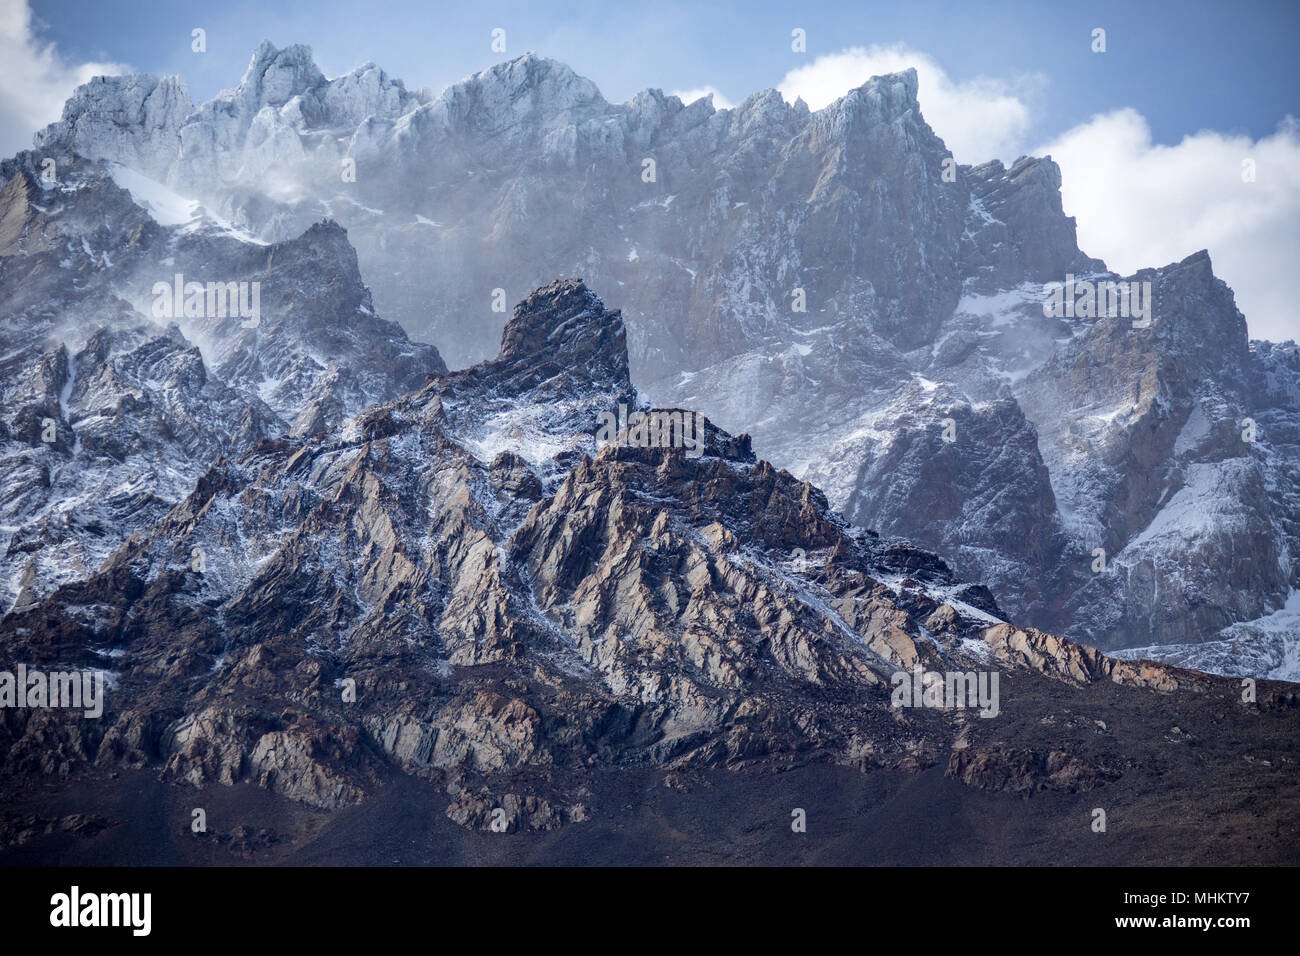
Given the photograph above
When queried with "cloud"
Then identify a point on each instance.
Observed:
(691, 95)
(1142, 204)
(979, 119)
(34, 78)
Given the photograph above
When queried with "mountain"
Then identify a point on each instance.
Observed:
(822, 528)
(830, 282)
(113, 411)
(459, 604)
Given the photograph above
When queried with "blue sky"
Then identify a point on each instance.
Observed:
(1151, 135)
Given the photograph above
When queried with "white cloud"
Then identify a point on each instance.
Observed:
(690, 96)
(34, 78)
(1142, 204)
(980, 119)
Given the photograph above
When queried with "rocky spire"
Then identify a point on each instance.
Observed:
(276, 76)
(564, 326)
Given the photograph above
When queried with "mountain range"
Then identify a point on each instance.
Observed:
(814, 279)
(315, 564)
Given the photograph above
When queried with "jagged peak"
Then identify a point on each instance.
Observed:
(554, 82)
(275, 76)
(657, 96)
(365, 70)
(898, 90)
(296, 56)
(564, 328)
(132, 119)
(1197, 265)
(97, 86)
(705, 98)
(326, 228)
(554, 315)
(1036, 167)
(881, 99)
(126, 92)
(768, 100)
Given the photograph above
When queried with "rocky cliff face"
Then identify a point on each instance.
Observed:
(460, 587)
(921, 284)
(529, 144)
(829, 282)
(113, 406)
